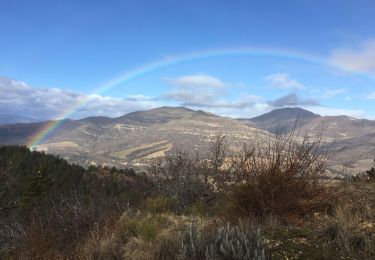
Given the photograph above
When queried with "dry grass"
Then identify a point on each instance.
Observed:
(350, 227)
(346, 231)
(134, 236)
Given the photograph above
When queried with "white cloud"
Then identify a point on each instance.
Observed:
(329, 111)
(361, 59)
(332, 93)
(197, 80)
(18, 98)
(283, 81)
(292, 100)
(206, 92)
(246, 112)
(371, 96)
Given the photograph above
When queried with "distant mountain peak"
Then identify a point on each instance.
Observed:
(162, 115)
(15, 119)
(167, 108)
(286, 113)
(282, 119)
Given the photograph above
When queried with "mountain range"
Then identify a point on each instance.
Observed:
(139, 137)
(14, 119)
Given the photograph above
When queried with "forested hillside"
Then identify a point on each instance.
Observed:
(46, 203)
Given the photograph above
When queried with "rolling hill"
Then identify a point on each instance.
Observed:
(140, 137)
(135, 138)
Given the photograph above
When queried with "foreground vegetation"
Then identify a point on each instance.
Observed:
(267, 201)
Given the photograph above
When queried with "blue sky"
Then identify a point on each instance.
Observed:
(233, 58)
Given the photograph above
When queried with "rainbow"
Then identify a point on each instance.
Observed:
(47, 128)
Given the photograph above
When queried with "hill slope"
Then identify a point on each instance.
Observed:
(350, 141)
(139, 137)
(135, 138)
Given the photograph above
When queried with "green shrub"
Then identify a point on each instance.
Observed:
(37, 186)
(160, 204)
(197, 209)
(146, 227)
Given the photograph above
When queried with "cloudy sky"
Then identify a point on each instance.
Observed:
(233, 58)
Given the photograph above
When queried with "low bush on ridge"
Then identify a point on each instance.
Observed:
(280, 179)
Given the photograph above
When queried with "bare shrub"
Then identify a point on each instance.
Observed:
(183, 177)
(217, 154)
(57, 228)
(64, 226)
(192, 181)
(279, 178)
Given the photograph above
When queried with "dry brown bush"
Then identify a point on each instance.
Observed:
(280, 178)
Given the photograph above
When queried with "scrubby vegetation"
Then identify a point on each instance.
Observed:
(48, 206)
(267, 201)
(371, 173)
